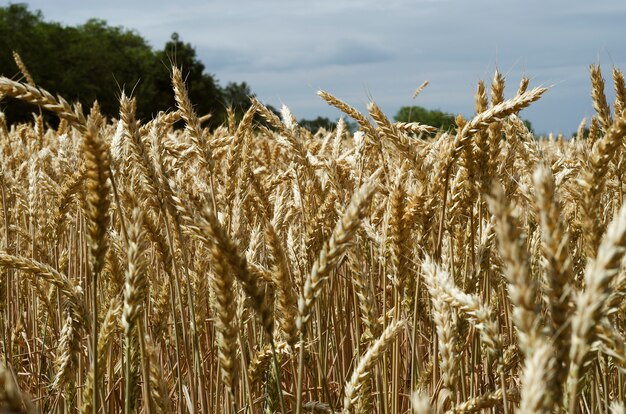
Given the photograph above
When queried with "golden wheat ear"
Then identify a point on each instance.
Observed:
(44, 99)
(590, 304)
(363, 370)
(600, 103)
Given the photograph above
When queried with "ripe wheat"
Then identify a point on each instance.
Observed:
(261, 267)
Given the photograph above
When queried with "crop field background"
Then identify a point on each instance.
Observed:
(157, 266)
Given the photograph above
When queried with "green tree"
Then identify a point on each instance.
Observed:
(96, 61)
(83, 63)
(435, 118)
(106, 60)
(314, 124)
(36, 42)
(529, 125)
(237, 96)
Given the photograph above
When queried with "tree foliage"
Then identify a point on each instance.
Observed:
(315, 124)
(95, 60)
(237, 96)
(435, 118)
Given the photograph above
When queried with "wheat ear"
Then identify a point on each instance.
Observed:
(20, 64)
(620, 92)
(522, 288)
(420, 403)
(45, 99)
(600, 103)
(363, 370)
(135, 292)
(590, 303)
(446, 326)
(536, 390)
(593, 182)
(97, 203)
(558, 271)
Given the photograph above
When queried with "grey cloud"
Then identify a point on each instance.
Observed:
(351, 52)
(337, 53)
(217, 59)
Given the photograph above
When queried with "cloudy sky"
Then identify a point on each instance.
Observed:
(382, 50)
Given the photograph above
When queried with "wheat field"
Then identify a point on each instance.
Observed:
(260, 268)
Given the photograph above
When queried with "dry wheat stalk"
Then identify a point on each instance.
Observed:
(97, 203)
(110, 327)
(332, 251)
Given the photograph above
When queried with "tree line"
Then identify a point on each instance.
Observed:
(97, 61)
